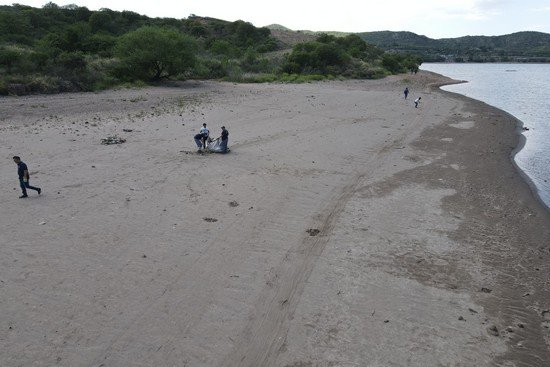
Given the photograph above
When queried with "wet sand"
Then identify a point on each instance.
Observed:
(345, 228)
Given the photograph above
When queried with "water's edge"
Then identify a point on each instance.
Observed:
(521, 139)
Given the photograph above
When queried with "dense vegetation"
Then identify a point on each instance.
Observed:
(515, 47)
(349, 56)
(71, 48)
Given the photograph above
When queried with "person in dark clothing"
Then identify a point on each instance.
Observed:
(224, 140)
(406, 92)
(23, 172)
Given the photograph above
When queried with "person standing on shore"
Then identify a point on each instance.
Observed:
(417, 101)
(23, 172)
(224, 140)
(406, 92)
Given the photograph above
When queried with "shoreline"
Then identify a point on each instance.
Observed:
(521, 144)
(528, 196)
(522, 139)
(344, 226)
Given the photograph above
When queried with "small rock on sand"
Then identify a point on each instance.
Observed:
(313, 231)
(110, 140)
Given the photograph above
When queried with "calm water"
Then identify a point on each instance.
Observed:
(521, 90)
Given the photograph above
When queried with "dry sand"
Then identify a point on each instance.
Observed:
(345, 228)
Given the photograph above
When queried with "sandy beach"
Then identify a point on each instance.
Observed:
(344, 228)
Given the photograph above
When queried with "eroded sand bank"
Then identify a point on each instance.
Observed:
(345, 228)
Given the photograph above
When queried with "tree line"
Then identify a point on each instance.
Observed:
(71, 48)
(515, 47)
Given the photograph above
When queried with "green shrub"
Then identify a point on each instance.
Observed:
(234, 72)
(223, 47)
(260, 78)
(9, 58)
(152, 53)
(303, 78)
(316, 58)
(208, 69)
(3, 88)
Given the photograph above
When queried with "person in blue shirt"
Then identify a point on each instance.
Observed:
(23, 172)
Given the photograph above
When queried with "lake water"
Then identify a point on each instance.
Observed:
(521, 90)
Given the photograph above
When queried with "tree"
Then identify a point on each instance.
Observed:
(100, 21)
(155, 53)
(393, 63)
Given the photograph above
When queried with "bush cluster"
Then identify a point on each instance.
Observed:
(347, 56)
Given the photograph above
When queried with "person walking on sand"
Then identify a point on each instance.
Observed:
(23, 172)
(224, 140)
(406, 92)
(202, 137)
(417, 101)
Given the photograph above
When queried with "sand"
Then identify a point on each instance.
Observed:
(344, 228)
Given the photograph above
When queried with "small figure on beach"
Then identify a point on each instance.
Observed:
(202, 137)
(24, 177)
(224, 139)
(219, 145)
(406, 92)
(417, 101)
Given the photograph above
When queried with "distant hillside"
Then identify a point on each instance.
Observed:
(520, 46)
(515, 47)
(290, 37)
(278, 27)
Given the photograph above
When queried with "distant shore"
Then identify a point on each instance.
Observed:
(345, 227)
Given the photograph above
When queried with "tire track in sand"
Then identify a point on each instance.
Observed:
(260, 341)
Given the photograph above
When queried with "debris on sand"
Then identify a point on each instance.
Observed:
(110, 140)
(210, 220)
(233, 204)
(486, 290)
(493, 330)
(313, 231)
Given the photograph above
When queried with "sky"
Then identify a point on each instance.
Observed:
(432, 18)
